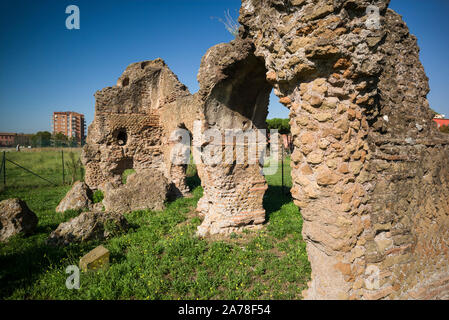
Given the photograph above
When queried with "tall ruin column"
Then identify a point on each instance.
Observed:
(234, 95)
(357, 148)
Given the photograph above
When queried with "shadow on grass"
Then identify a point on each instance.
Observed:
(275, 197)
(22, 265)
(193, 181)
(117, 257)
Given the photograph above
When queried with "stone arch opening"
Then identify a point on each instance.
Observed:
(180, 160)
(241, 101)
(121, 136)
(123, 168)
(189, 172)
(236, 195)
(234, 191)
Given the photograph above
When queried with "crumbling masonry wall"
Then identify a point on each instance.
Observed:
(132, 126)
(234, 94)
(370, 170)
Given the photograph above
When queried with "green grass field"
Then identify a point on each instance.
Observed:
(160, 257)
(45, 162)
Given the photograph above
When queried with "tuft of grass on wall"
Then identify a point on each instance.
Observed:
(97, 196)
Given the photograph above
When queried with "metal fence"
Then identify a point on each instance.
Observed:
(46, 167)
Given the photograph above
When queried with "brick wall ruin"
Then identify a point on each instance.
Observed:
(369, 169)
(133, 124)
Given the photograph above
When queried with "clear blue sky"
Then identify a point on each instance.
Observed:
(45, 67)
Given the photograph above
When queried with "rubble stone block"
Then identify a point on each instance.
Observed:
(146, 190)
(89, 226)
(79, 197)
(96, 259)
(15, 217)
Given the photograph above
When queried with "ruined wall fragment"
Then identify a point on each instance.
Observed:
(234, 94)
(131, 126)
(363, 140)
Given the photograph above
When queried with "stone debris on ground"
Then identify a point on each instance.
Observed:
(16, 218)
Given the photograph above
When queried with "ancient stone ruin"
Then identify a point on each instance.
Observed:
(370, 171)
(133, 125)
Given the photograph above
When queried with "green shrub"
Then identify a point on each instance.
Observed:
(74, 167)
(444, 129)
(282, 125)
(126, 174)
(112, 229)
(98, 196)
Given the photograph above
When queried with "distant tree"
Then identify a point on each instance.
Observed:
(23, 139)
(282, 125)
(74, 166)
(444, 129)
(73, 142)
(60, 136)
(41, 139)
(60, 140)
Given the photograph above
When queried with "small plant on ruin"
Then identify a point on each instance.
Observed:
(230, 23)
(98, 196)
(126, 174)
(112, 229)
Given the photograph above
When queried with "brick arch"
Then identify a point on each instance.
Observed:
(234, 95)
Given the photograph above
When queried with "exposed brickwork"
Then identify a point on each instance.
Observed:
(369, 168)
(132, 124)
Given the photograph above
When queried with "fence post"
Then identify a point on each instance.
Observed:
(4, 168)
(282, 166)
(63, 173)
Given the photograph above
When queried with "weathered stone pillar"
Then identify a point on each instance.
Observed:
(234, 95)
(349, 72)
(233, 192)
(327, 164)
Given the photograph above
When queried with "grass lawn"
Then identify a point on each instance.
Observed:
(160, 257)
(45, 162)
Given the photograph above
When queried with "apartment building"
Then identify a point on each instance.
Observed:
(71, 124)
(441, 122)
(7, 139)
